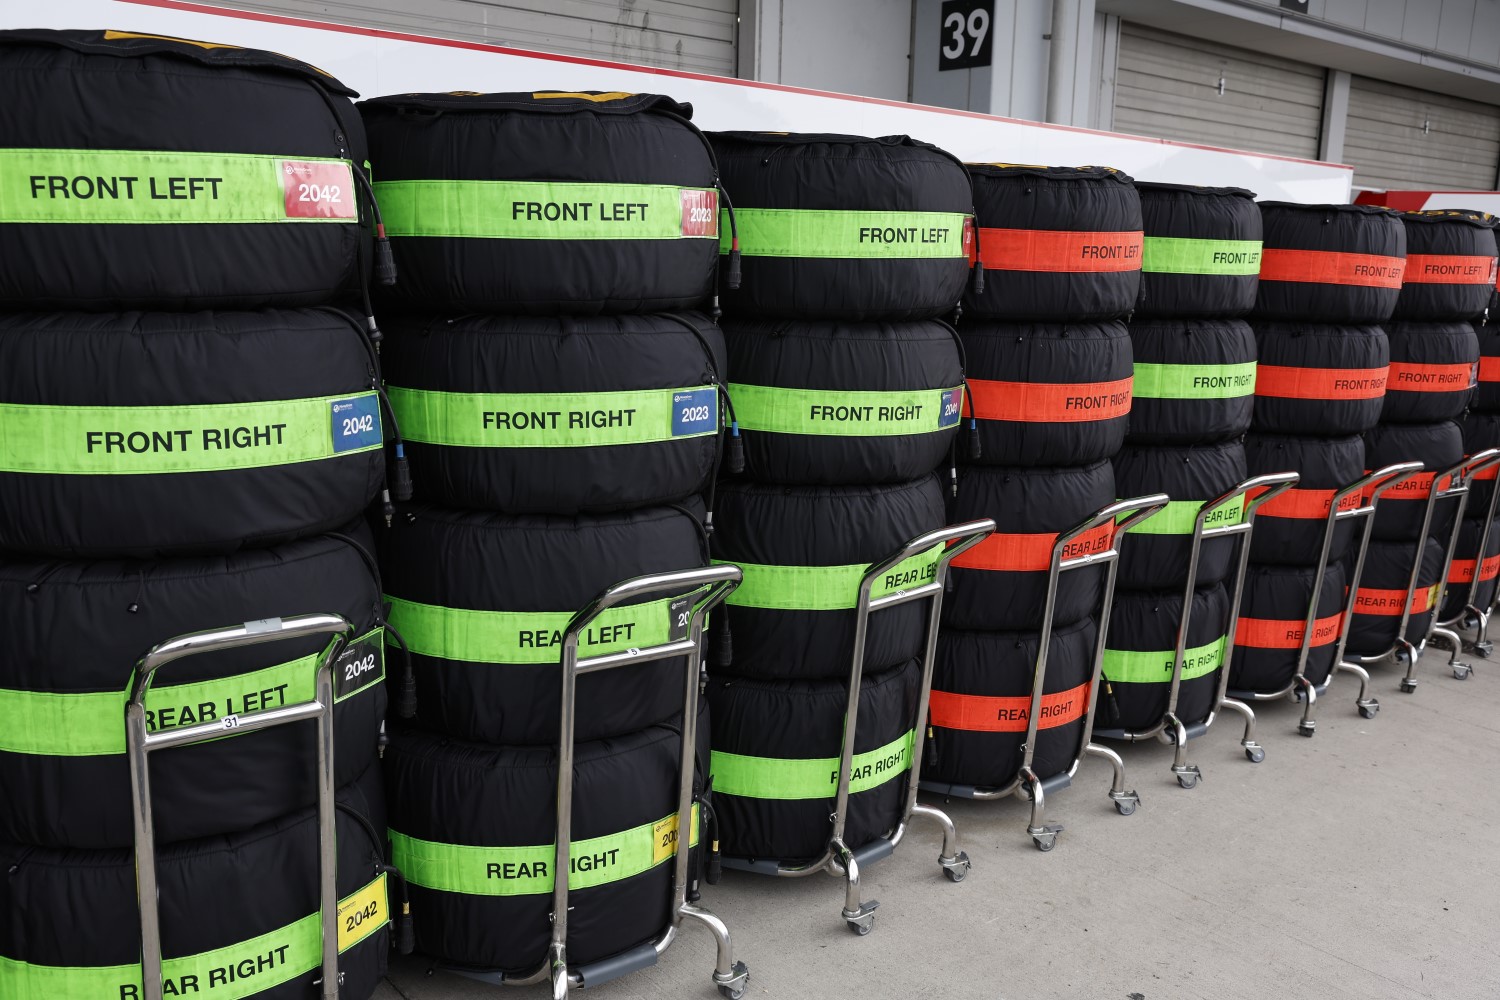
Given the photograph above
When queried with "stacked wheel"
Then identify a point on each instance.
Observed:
(1049, 368)
(193, 432)
(848, 259)
(1330, 276)
(1195, 376)
(560, 389)
(1435, 361)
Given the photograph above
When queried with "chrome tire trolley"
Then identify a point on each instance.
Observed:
(700, 590)
(1027, 785)
(1172, 730)
(838, 859)
(1369, 490)
(1473, 615)
(1458, 479)
(141, 743)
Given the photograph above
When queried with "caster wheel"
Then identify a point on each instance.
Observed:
(1407, 687)
(859, 928)
(1125, 808)
(1368, 711)
(1187, 780)
(956, 874)
(1255, 755)
(731, 992)
(1461, 673)
(1044, 844)
(1306, 731)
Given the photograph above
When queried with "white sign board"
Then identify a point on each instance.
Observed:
(377, 62)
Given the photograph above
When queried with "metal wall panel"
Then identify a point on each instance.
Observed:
(1168, 85)
(693, 35)
(1398, 137)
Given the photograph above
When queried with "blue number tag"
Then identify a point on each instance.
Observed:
(951, 408)
(356, 423)
(695, 412)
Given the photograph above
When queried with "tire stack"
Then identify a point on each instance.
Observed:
(1194, 384)
(558, 387)
(848, 390)
(1437, 338)
(189, 435)
(1434, 365)
(1049, 366)
(1330, 275)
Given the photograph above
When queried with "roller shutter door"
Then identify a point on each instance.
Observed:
(1168, 85)
(693, 35)
(1386, 144)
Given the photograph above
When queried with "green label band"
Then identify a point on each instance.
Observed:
(557, 419)
(778, 232)
(826, 588)
(53, 724)
(809, 778)
(130, 186)
(1173, 255)
(527, 871)
(534, 636)
(140, 440)
(1180, 517)
(1194, 381)
(1124, 666)
(824, 413)
(234, 972)
(547, 210)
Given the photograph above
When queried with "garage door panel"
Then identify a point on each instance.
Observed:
(1386, 143)
(693, 35)
(1167, 85)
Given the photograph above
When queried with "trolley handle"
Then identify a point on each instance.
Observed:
(1270, 485)
(217, 640)
(706, 588)
(1371, 486)
(1133, 512)
(956, 540)
(1477, 463)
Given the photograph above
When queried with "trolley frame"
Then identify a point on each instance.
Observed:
(1457, 478)
(1472, 615)
(140, 743)
(706, 587)
(1027, 786)
(1369, 489)
(1171, 730)
(837, 858)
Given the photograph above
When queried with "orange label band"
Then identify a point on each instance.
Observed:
(1446, 269)
(1388, 602)
(1329, 268)
(1417, 487)
(1271, 633)
(1307, 504)
(979, 714)
(1489, 369)
(1282, 382)
(1406, 377)
(1047, 402)
(1048, 250)
(1462, 570)
(1031, 553)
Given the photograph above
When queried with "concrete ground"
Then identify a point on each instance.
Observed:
(1361, 863)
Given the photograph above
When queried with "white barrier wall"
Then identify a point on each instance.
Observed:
(376, 62)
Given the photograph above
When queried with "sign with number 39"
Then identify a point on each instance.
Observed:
(965, 38)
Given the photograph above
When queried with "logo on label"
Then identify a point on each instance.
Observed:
(695, 411)
(700, 213)
(318, 190)
(951, 408)
(356, 423)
